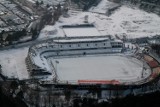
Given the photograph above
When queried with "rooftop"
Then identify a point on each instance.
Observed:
(72, 31)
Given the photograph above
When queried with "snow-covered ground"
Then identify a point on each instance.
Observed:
(103, 6)
(13, 63)
(106, 67)
(125, 21)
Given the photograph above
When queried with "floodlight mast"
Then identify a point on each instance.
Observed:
(57, 62)
(143, 68)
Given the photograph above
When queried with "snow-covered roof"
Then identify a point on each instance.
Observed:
(117, 40)
(81, 39)
(81, 31)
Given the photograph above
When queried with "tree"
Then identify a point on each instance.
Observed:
(47, 5)
(24, 32)
(9, 39)
(37, 3)
(1, 36)
(41, 2)
(76, 1)
(34, 33)
(67, 94)
(14, 85)
(0, 68)
(15, 36)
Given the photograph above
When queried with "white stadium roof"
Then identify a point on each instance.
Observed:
(79, 31)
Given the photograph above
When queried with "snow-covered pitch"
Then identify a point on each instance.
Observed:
(97, 68)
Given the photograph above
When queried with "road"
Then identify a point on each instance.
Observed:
(25, 44)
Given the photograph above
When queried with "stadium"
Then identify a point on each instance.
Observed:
(88, 62)
(40, 55)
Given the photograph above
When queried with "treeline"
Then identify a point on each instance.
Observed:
(146, 100)
(86, 4)
(7, 38)
(157, 2)
(156, 48)
(9, 101)
(12, 37)
(15, 36)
